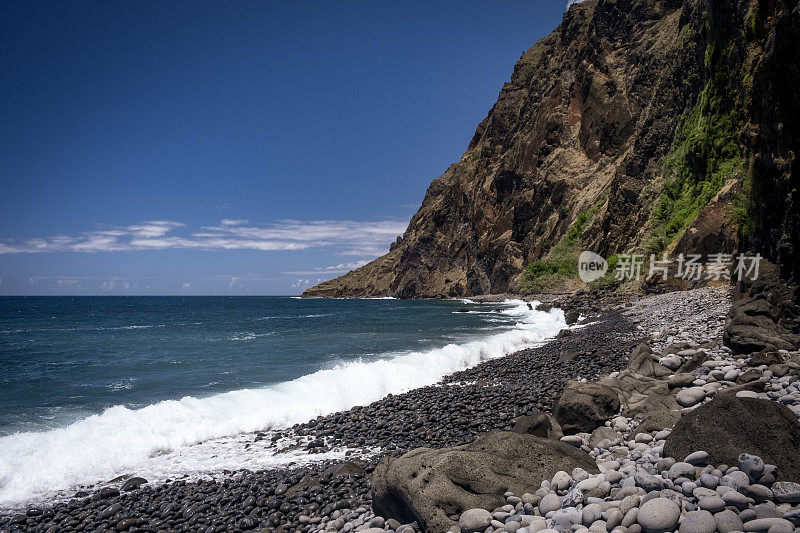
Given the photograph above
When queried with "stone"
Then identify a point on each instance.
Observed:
(780, 525)
(656, 421)
(709, 481)
(584, 406)
(728, 426)
(681, 470)
(680, 380)
(671, 361)
(603, 433)
(751, 324)
(538, 424)
(551, 502)
(736, 480)
(728, 521)
(691, 396)
(698, 522)
(563, 519)
(647, 481)
(427, 485)
(733, 498)
(712, 504)
(786, 491)
(698, 458)
(474, 520)
(133, 484)
(752, 465)
(561, 480)
(659, 515)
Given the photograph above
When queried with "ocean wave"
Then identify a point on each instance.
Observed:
(120, 439)
(248, 336)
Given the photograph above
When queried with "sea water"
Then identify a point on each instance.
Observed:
(92, 388)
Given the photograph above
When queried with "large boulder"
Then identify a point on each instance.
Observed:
(538, 424)
(583, 406)
(728, 426)
(641, 395)
(643, 362)
(765, 317)
(430, 485)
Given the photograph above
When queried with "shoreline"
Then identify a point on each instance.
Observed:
(300, 432)
(336, 495)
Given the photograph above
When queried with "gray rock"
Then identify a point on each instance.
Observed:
(752, 465)
(474, 520)
(419, 485)
(728, 521)
(538, 424)
(709, 481)
(698, 458)
(584, 406)
(551, 502)
(767, 524)
(712, 504)
(698, 522)
(648, 481)
(736, 499)
(736, 480)
(786, 491)
(659, 515)
(563, 519)
(561, 480)
(727, 426)
(691, 396)
(133, 484)
(681, 470)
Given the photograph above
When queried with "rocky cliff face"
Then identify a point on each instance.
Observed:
(617, 130)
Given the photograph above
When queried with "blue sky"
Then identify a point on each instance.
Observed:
(233, 147)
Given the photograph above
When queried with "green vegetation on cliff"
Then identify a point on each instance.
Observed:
(561, 264)
(705, 151)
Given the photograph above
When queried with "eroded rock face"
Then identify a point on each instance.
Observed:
(428, 485)
(584, 124)
(728, 426)
(585, 406)
(766, 317)
(538, 424)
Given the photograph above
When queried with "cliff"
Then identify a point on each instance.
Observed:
(636, 125)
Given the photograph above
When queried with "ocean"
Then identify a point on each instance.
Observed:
(92, 388)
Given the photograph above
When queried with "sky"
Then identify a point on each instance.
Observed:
(233, 148)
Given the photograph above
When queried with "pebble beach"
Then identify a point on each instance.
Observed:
(664, 348)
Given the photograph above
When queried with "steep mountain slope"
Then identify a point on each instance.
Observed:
(614, 132)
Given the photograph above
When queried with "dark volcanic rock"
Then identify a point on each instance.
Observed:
(585, 406)
(729, 426)
(767, 318)
(428, 485)
(538, 424)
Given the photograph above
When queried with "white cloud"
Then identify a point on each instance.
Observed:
(341, 268)
(571, 3)
(234, 283)
(300, 283)
(350, 237)
(186, 285)
(233, 221)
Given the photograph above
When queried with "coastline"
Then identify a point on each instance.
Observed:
(337, 495)
(404, 432)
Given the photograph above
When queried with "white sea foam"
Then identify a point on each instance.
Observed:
(122, 440)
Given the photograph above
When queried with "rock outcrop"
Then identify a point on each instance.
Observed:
(766, 317)
(430, 485)
(728, 426)
(621, 126)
